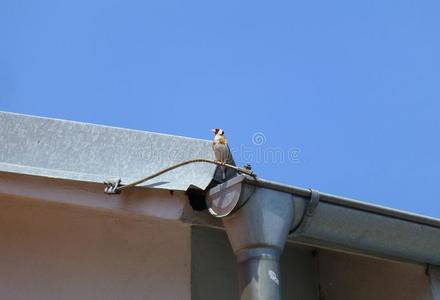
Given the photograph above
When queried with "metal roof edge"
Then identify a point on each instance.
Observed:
(81, 151)
(348, 202)
(103, 126)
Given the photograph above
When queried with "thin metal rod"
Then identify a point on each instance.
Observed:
(119, 188)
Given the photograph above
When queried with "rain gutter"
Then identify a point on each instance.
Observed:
(259, 216)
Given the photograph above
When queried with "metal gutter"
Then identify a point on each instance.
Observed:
(347, 202)
(259, 216)
(257, 221)
(345, 224)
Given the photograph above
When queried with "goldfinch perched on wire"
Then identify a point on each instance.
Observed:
(221, 149)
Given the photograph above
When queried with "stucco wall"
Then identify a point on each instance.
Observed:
(306, 273)
(214, 274)
(344, 276)
(214, 271)
(55, 251)
(125, 249)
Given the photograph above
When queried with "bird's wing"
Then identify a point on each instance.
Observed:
(221, 152)
(229, 157)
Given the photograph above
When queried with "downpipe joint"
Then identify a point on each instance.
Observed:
(257, 222)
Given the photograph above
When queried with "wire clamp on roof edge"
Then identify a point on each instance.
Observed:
(115, 187)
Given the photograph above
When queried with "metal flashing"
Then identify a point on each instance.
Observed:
(86, 152)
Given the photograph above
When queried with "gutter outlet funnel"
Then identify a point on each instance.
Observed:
(257, 221)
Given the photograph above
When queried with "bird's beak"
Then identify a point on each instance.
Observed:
(213, 130)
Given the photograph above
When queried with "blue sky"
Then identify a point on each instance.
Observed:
(345, 93)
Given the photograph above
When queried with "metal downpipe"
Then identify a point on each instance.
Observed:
(258, 273)
(434, 275)
(257, 221)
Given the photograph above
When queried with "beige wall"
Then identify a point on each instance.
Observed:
(344, 276)
(56, 251)
(214, 270)
(306, 273)
(67, 240)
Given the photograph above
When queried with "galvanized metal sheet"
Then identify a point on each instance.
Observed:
(79, 151)
(340, 227)
(223, 198)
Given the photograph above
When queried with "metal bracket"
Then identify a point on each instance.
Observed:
(314, 201)
(309, 211)
(112, 187)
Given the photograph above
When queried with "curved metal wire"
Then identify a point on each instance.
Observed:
(115, 187)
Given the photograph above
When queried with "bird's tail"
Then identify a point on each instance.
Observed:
(223, 169)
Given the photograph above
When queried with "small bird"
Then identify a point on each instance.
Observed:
(221, 149)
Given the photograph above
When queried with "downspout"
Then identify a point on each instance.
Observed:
(257, 221)
(434, 274)
(260, 215)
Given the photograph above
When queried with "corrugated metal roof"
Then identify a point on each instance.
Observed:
(79, 151)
